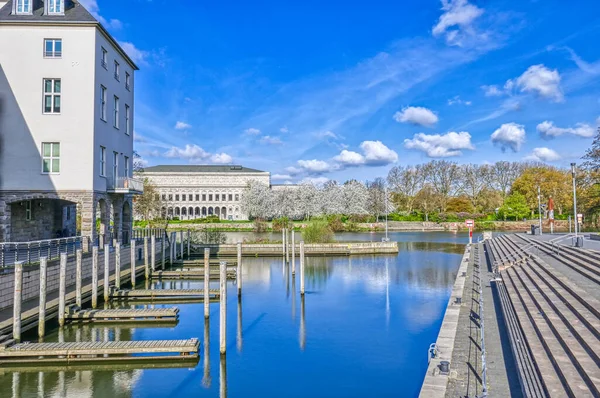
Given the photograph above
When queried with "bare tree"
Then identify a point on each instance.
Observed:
(405, 182)
(475, 178)
(427, 200)
(444, 177)
(377, 199)
(503, 174)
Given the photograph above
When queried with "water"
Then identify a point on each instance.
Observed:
(363, 329)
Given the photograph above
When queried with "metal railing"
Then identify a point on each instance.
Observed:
(482, 328)
(514, 256)
(30, 252)
(126, 183)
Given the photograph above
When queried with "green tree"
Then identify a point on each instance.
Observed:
(147, 205)
(515, 206)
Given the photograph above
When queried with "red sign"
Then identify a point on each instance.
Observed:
(580, 218)
(470, 223)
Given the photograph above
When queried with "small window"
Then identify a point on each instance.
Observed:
(197, 198)
(116, 112)
(50, 157)
(23, 6)
(52, 48)
(117, 71)
(52, 91)
(104, 60)
(216, 197)
(126, 166)
(164, 196)
(103, 103)
(237, 197)
(55, 7)
(115, 166)
(210, 198)
(102, 161)
(127, 119)
(128, 81)
(183, 197)
(28, 210)
(204, 197)
(170, 196)
(223, 197)
(68, 211)
(190, 197)
(230, 197)
(177, 198)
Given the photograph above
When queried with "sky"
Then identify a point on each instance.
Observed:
(312, 90)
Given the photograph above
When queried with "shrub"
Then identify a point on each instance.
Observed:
(352, 227)
(281, 223)
(259, 225)
(361, 218)
(335, 223)
(317, 231)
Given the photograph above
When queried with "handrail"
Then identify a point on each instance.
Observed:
(482, 323)
(513, 255)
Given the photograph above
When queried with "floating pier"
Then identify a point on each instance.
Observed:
(160, 294)
(123, 351)
(192, 274)
(141, 315)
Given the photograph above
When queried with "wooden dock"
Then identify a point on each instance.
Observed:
(67, 353)
(195, 261)
(191, 274)
(125, 315)
(161, 294)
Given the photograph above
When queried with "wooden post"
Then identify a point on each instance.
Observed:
(181, 238)
(239, 269)
(293, 253)
(171, 249)
(78, 277)
(132, 263)
(62, 289)
(42, 305)
(17, 301)
(146, 268)
(118, 265)
(153, 253)
(106, 272)
(302, 268)
(287, 246)
(188, 243)
(95, 277)
(162, 248)
(283, 242)
(206, 282)
(223, 307)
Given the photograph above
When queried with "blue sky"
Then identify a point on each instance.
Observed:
(339, 90)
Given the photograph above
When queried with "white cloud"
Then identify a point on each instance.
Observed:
(543, 155)
(350, 158)
(267, 139)
(314, 166)
(492, 91)
(548, 130)
(456, 21)
(293, 170)
(457, 101)
(284, 130)
(281, 177)
(440, 146)
(252, 131)
(92, 7)
(221, 158)
(328, 134)
(138, 56)
(137, 137)
(509, 135)
(315, 180)
(541, 81)
(416, 115)
(182, 126)
(377, 154)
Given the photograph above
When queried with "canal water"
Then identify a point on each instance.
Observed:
(362, 330)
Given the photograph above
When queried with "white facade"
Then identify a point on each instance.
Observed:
(69, 77)
(203, 190)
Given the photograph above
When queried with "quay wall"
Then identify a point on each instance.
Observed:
(317, 249)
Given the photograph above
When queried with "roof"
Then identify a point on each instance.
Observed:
(75, 13)
(200, 169)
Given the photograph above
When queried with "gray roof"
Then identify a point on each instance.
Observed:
(200, 169)
(74, 12)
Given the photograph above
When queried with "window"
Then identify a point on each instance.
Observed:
(164, 196)
(157, 197)
(117, 71)
(68, 211)
(104, 60)
(237, 197)
(28, 210)
(216, 197)
(23, 6)
(52, 95)
(126, 166)
(52, 48)
(204, 197)
(50, 157)
(177, 198)
(210, 198)
(183, 197)
(127, 81)
(116, 113)
(102, 161)
(127, 119)
(103, 103)
(223, 197)
(190, 197)
(115, 166)
(55, 7)
(197, 198)
(230, 197)
(170, 196)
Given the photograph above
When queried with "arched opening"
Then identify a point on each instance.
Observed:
(197, 212)
(102, 222)
(191, 212)
(204, 211)
(218, 211)
(177, 212)
(163, 212)
(170, 212)
(127, 222)
(223, 213)
(210, 211)
(43, 218)
(183, 211)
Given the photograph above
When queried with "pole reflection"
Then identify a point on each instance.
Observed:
(293, 296)
(302, 323)
(223, 377)
(206, 380)
(239, 325)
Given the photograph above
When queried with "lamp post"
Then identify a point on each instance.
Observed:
(540, 208)
(573, 165)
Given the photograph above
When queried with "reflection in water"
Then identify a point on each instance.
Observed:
(302, 323)
(318, 270)
(16, 385)
(239, 325)
(387, 293)
(223, 377)
(206, 380)
(444, 247)
(293, 296)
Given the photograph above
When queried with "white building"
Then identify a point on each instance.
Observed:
(66, 123)
(190, 192)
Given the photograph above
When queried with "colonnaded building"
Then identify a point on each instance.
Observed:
(190, 192)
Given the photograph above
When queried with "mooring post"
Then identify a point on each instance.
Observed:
(283, 242)
(239, 269)
(17, 301)
(146, 267)
(302, 268)
(62, 289)
(94, 277)
(171, 243)
(188, 243)
(78, 277)
(153, 253)
(106, 272)
(223, 307)
(206, 282)
(181, 238)
(118, 265)
(287, 246)
(162, 248)
(293, 252)
(132, 263)
(42, 305)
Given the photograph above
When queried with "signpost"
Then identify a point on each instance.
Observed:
(470, 224)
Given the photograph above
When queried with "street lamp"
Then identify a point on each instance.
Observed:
(573, 165)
